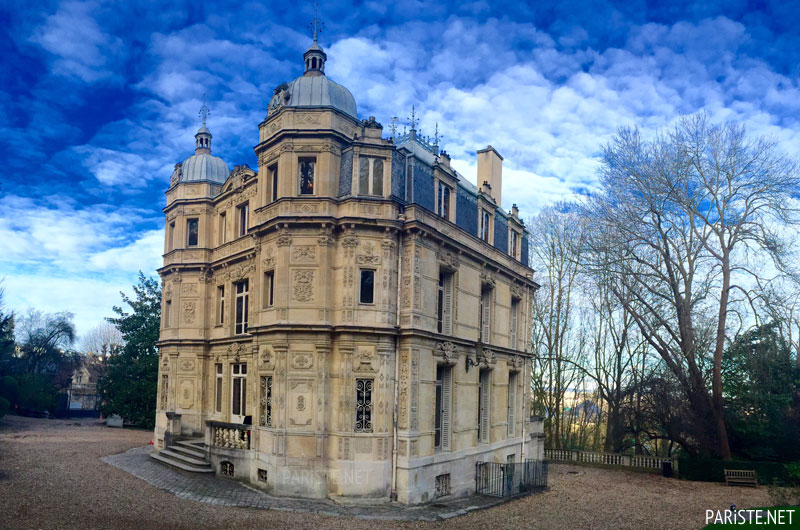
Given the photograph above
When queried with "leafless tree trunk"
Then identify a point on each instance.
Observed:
(677, 222)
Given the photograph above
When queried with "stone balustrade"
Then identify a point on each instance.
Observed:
(229, 435)
(609, 459)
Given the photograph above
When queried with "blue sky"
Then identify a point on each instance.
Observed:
(99, 100)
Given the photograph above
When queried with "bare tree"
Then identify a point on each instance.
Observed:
(676, 225)
(104, 339)
(557, 344)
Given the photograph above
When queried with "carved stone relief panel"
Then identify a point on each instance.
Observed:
(304, 254)
(186, 393)
(301, 409)
(302, 360)
(403, 389)
(186, 365)
(303, 285)
(189, 311)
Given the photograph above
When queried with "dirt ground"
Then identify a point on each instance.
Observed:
(51, 477)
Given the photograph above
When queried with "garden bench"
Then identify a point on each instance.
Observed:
(741, 477)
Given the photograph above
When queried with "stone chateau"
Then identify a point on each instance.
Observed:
(351, 320)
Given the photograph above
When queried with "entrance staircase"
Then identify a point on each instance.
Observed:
(185, 455)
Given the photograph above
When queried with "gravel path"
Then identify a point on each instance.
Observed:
(51, 476)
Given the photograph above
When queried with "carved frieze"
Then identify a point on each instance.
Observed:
(369, 256)
(304, 254)
(189, 311)
(284, 237)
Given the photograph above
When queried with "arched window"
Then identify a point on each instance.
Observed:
(313, 62)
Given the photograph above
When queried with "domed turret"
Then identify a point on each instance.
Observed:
(313, 89)
(202, 165)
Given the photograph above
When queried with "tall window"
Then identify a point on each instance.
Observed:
(511, 414)
(444, 304)
(366, 294)
(243, 212)
(221, 305)
(171, 236)
(269, 288)
(265, 405)
(443, 200)
(370, 176)
(273, 179)
(485, 311)
(242, 297)
(191, 232)
(306, 168)
(363, 405)
(441, 436)
(513, 248)
(223, 228)
(218, 387)
(514, 323)
(483, 405)
(238, 391)
(485, 221)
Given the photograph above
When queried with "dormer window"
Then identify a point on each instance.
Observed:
(443, 200)
(486, 220)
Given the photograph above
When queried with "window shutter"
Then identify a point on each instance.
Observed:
(512, 402)
(484, 405)
(447, 325)
(447, 385)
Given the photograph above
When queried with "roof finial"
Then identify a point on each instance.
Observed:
(413, 118)
(393, 127)
(436, 136)
(316, 25)
(204, 110)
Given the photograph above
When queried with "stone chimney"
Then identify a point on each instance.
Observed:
(490, 170)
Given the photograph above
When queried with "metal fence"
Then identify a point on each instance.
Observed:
(511, 479)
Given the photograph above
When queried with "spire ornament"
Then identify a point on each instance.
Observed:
(316, 25)
(204, 110)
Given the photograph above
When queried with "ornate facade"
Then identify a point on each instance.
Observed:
(352, 320)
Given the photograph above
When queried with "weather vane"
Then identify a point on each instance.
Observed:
(316, 25)
(393, 127)
(436, 136)
(414, 120)
(204, 110)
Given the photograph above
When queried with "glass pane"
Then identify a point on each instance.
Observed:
(377, 177)
(363, 176)
(192, 231)
(367, 286)
(307, 177)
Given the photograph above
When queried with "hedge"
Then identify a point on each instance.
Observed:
(712, 470)
(4, 406)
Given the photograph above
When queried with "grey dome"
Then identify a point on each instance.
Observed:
(315, 91)
(204, 166)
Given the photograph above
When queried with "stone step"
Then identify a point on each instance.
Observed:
(193, 443)
(192, 451)
(179, 464)
(190, 460)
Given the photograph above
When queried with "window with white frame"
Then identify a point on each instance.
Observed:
(221, 305)
(443, 200)
(513, 247)
(486, 220)
(243, 211)
(370, 176)
(242, 298)
(444, 393)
